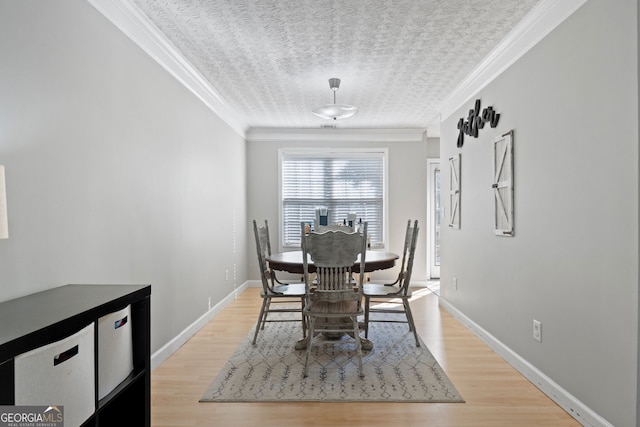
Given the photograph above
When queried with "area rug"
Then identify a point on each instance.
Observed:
(395, 369)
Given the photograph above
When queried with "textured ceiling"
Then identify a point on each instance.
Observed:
(397, 59)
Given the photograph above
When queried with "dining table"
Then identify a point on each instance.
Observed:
(292, 262)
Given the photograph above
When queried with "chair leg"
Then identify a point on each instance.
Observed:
(304, 321)
(310, 333)
(356, 335)
(261, 318)
(266, 313)
(367, 301)
(412, 326)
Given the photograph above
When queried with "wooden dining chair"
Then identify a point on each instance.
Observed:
(334, 302)
(395, 295)
(273, 290)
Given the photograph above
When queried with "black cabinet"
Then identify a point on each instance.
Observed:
(43, 318)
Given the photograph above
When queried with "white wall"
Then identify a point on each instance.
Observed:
(407, 186)
(115, 172)
(572, 102)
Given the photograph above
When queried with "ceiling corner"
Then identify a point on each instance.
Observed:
(542, 19)
(134, 24)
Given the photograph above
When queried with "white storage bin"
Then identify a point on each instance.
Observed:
(60, 373)
(115, 350)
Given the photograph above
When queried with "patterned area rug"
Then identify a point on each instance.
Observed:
(395, 369)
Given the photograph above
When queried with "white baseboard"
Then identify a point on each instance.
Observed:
(419, 284)
(254, 283)
(578, 410)
(169, 348)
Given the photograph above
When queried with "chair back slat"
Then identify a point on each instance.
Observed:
(333, 279)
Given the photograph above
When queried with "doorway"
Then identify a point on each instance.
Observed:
(433, 218)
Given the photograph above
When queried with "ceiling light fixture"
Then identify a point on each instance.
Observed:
(335, 111)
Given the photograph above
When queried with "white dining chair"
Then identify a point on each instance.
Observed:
(334, 302)
(394, 296)
(290, 295)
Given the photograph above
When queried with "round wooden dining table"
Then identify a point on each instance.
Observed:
(291, 262)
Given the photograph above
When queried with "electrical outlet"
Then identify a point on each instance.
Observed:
(455, 283)
(537, 330)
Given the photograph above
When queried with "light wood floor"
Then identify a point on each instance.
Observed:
(495, 393)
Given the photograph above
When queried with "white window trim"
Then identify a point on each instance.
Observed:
(432, 164)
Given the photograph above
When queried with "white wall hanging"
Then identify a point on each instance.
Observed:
(503, 184)
(454, 191)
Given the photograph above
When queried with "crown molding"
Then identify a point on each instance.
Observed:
(335, 135)
(542, 19)
(135, 25)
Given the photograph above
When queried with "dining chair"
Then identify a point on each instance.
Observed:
(273, 290)
(394, 296)
(334, 302)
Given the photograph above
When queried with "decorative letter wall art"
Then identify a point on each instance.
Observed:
(476, 121)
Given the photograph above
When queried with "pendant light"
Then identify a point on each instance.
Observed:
(334, 111)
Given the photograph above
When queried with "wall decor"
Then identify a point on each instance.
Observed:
(454, 191)
(503, 184)
(475, 121)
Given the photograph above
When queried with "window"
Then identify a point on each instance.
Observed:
(342, 180)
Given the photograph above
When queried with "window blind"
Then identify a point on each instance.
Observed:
(345, 181)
